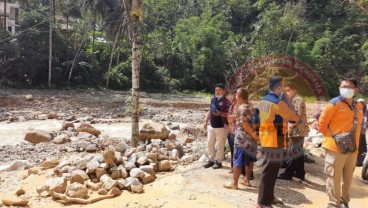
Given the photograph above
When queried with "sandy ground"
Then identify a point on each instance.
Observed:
(193, 186)
(187, 186)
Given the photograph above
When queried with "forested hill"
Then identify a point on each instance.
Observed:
(187, 45)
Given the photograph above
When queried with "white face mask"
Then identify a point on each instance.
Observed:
(346, 92)
(219, 96)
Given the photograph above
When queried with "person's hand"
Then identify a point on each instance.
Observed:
(255, 136)
(315, 125)
(205, 125)
(217, 113)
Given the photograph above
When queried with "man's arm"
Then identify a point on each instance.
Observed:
(325, 118)
(285, 112)
(207, 118)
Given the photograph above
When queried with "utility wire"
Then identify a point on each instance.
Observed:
(30, 28)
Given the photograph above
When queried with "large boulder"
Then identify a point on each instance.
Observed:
(38, 136)
(84, 127)
(154, 130)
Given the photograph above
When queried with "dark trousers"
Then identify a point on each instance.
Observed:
(362, 150)
(230, 140)
(270, 169)
(296, 165)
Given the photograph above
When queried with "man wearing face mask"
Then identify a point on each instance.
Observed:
(217, 130)
(336, 118)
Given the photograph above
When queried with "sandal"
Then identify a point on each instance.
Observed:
(230, 185)
(245, 183)
(264, 206)
(277, 201)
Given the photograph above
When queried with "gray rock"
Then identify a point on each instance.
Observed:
(149, 148)
(121, 183)
(148, 169)
(92, 166)
(29, 97)
(79, 176)
(133, 158)
(91, 148)
(108, 182)
(129, 166)
(115, 172)
(153, 131)
(77, 190)
(67, 125)
(16, 165)
(57, 185)
(174, 154)
(136, 173)
(121, 147)
(142, 161)
(141, 147)
(174, 127)
(123, 172)
(84, 135)
(37, 136)
(61, 139)
(81, 163)
(134, 185)
(130, 151)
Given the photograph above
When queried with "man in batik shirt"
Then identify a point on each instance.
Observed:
(296, 134)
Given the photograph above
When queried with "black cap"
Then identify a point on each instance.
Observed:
(220, 85)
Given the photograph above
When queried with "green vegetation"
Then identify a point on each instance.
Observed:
(187, 45)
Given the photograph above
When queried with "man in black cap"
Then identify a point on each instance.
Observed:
(217, 130)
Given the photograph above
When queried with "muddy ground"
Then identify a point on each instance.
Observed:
(187, 186)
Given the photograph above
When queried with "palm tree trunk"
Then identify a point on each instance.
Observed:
(50, 44)
(135, 13)
(75, 59)
(5, 15)
(112, 54)
(94, 31)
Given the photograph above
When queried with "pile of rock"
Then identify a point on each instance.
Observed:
(107, 174)
(92, 177)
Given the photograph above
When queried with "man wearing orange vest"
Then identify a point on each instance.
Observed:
(336, 118)
(274, 116)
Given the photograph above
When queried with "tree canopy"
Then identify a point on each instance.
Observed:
(187, 45)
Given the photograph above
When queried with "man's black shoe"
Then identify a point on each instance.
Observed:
(208, 164)
(299, 177)
(217, 165)
(284, 177)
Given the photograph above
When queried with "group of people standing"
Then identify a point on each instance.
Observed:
(279, 125)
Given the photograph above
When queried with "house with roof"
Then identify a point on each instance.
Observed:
(11, 16)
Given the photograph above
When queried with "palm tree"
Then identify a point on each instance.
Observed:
(98, 8)
(136, 15)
